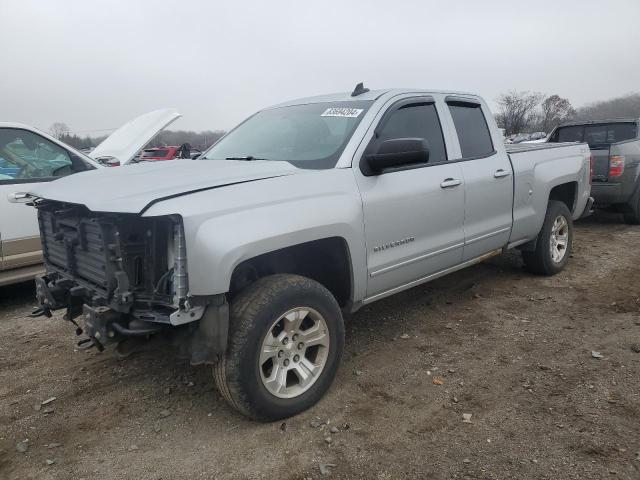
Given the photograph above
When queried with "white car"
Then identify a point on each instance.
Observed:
(29, 156)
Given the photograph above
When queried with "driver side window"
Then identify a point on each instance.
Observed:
(27, 157)
(419, 120)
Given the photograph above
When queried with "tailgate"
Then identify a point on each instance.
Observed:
(600, 163)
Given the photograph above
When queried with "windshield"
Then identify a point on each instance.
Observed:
(307, 136)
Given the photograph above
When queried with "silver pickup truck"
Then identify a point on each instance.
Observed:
(251, 255)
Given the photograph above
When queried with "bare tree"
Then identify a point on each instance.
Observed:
(555, 110)
(518, 110)
(59, 129)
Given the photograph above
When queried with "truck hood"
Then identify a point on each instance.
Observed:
(135, 188)
(129, 139)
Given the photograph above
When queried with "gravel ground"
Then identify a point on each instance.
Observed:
(512, 350)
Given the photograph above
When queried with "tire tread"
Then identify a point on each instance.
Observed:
(538, 261)
(243, 310)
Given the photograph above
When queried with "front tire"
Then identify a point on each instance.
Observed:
(554, 242)
(286, 337)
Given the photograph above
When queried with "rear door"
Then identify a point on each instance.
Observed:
(413, 215)
(488, 180)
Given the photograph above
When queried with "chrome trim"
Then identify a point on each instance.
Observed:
(180, 280)
(487, 235)
(450, 183)
(413, 260)
(437, 252)
(395, 243)
(431, 277)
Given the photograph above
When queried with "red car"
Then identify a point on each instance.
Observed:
(160, 153)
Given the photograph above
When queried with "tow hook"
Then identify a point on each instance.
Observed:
(97, 325)
(43, 311)
(87, 343)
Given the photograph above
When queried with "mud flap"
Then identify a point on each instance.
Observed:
(209, 340)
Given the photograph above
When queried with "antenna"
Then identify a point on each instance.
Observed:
(359, 90)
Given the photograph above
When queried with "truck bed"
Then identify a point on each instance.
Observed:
(537, 168)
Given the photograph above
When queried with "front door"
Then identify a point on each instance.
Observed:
(25, 159)
(413, 216)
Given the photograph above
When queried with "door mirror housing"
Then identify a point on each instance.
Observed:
(398, 152)
(18, 197)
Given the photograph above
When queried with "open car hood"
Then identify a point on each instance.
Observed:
(129, 139)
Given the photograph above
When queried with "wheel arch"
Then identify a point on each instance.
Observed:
(565, 193)
(326, 260)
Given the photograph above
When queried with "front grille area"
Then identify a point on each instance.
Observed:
(77, 245)
(121, 258)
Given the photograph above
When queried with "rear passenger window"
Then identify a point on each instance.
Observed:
(416, 120)
(472, 129)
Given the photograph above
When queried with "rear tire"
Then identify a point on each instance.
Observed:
(286, 337)
(554, 242)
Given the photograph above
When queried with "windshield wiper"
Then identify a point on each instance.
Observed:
(248, 158)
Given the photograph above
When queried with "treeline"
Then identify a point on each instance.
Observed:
(199, 140)
(518, 112)
(526, 112)
(625, 106)
(80, 142)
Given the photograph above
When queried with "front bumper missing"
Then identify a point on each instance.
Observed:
(201, 337)
(102, 325)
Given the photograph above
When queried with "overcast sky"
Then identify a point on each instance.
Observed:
(96, 64)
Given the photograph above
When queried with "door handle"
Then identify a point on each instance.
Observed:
(450, 183)
(501, 173)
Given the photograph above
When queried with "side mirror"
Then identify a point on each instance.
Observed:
(398, 152)
(18, 197)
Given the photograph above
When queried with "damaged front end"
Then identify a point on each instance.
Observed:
(126, 276)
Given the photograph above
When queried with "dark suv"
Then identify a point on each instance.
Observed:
(615, 150)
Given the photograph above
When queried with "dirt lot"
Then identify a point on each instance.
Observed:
(513, 350)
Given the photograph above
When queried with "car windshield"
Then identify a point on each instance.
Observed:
(308, 136)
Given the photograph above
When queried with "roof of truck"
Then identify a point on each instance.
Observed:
(370, 95)
(596, 122)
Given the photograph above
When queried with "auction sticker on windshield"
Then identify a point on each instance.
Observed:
(342, 112)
